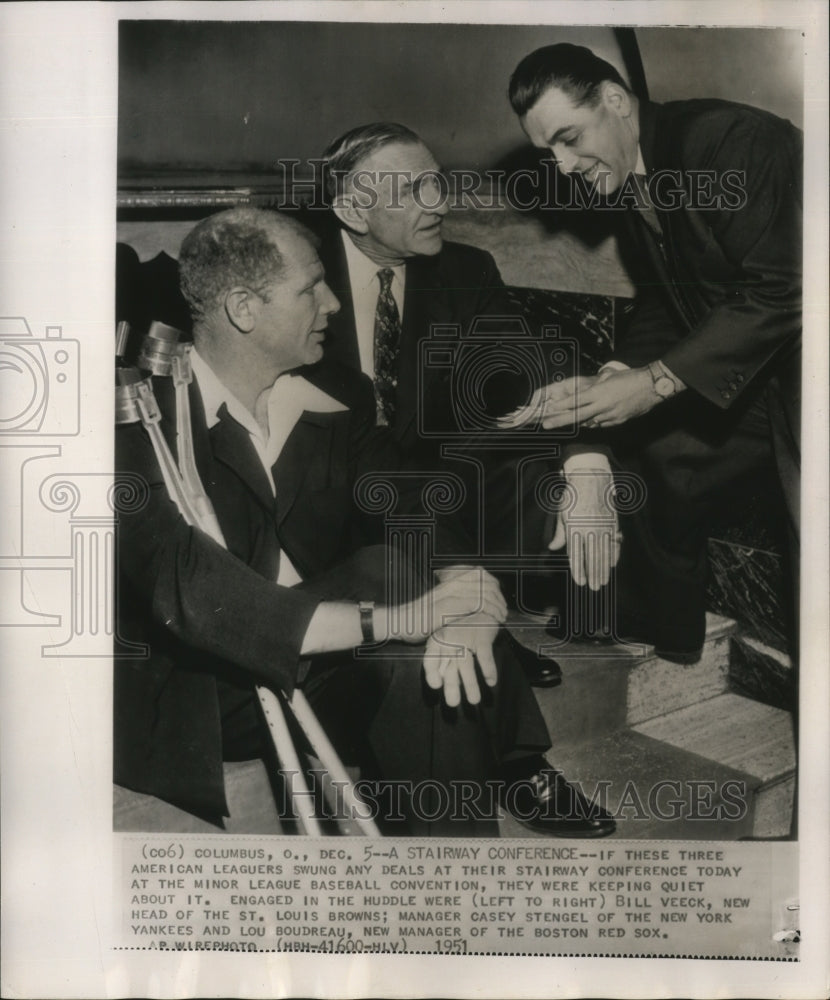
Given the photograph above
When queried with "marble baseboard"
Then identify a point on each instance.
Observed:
(761, 673)
(750, 585)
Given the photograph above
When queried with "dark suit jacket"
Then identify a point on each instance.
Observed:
(729, 276)
(210, 616)
(452, 288)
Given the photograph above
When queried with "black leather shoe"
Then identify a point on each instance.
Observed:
(544, 801)
(539, 670)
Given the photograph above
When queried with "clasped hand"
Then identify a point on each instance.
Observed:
(591, 401)
(459, 620)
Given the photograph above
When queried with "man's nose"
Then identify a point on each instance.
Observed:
(434, 197)
(566, 160)
(329, 303)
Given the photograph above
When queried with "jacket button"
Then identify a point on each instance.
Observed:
(733, 386)
(725, 394)
(739, 377)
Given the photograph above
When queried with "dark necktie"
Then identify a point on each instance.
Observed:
(387, 340)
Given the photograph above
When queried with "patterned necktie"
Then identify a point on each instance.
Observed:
(387, 340)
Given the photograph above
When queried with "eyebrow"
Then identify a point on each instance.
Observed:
(429, 174)
(559, 133)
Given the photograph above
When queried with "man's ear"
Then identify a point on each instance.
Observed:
(240, 308)
(349, 213)
(617, 99)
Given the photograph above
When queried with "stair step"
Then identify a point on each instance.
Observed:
(747, 736)
(606, 688)
(653, 789)
(720, 770)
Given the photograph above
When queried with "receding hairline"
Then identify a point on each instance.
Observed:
(275, 226)
(359, 164)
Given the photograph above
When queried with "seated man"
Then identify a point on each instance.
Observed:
(279, 441)
(398, 280)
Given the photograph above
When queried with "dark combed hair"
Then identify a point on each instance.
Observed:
(573, 69)
(234, 247)
(344, 154)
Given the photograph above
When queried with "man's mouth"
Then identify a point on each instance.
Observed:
(592, 173)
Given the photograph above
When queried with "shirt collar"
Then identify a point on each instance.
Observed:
(640, 168)
(289, 397)
(215, 393)
(363, 270)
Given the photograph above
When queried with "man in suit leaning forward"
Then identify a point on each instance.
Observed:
(705, 385)
(279, 440)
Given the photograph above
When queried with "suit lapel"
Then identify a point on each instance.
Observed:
(341, 339)
(304, 458)
(424, 305)
(231, 445)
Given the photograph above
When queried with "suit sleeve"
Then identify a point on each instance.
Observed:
(193, 588)
(757, 310)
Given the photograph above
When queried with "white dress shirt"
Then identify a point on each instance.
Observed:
(288, 398)
(365, 286)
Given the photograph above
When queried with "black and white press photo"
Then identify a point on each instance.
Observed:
(432, 588)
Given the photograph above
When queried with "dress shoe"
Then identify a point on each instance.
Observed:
(540, 671)
(544, 801)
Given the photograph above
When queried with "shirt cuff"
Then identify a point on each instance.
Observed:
(594, 461)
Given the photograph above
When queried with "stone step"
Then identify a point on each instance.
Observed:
(721, 769)
(747, 736)
(652, 789)
(606, 688)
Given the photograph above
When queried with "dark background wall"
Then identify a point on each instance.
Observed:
(216, 95)
(244, 94)
(759, 66)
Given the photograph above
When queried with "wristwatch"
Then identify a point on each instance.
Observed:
(367, 620)
(663, 383)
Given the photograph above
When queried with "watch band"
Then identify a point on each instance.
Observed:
(367, 620)
(664, 384)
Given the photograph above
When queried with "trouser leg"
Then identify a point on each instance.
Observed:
(431, 763)
(380, 714)
(693, 460)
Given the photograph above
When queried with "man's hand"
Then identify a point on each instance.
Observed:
(605, 400)
(462, 590)
(558, 397)
(616, 396)
(589, 527)
(450, 655)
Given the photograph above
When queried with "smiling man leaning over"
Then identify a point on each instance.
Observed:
(705, 386)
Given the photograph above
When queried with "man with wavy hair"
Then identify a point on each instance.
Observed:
(704, 388)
